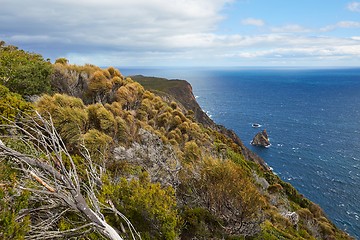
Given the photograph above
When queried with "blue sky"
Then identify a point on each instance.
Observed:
(266, 33)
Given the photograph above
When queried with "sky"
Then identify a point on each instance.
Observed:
(324, 33)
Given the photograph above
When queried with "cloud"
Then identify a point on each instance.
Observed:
(253, 22)
(119, 25)
(339, 51)
(156, 32)
(214, 49)
(290, 28)
(342, 24)
(354, 6)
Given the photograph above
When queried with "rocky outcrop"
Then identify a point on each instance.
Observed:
(158, 159)
(293, 217)
(71, 82)
(261, 139)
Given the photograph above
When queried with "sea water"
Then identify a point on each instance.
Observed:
(312, 117)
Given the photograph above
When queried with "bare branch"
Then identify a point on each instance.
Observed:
(58, 181)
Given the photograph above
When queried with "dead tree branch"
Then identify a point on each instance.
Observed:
(59, 188)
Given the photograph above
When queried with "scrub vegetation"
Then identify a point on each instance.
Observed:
(95, 155)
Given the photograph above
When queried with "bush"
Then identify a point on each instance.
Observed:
(98, 144)
(11, 202)
(150, 208)
(223, 188)
(23, 72)
(101, 119)
(199, 223)
(11, 104)
(192, 152)
(68, 115)
(62, 61)
(275, 188)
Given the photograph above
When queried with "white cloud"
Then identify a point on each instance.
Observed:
(339, 51)
(216, 49)
(348, 24)
(130, 24)
(156, 32)
(253, 22)
(290, 28)
(342, 24)
(354, 6)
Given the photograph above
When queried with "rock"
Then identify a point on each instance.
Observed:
(293, 217)
(261, 139)
(157, 158)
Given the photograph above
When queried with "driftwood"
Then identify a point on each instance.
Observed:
(58, 188)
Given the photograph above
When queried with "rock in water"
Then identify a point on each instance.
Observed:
(261, 139)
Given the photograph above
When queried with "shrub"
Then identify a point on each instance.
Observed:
(192, 152)
(23, 72)
(275, 188)
(98, 144)
(99, 86)
(115, 73)
(68, 115)
(101, 119)
(223, 188)
(11, 202)
(199, 223)
(149, 207)
(11, 104)
(62, 61)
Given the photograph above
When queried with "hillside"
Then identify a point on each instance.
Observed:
(181, 91)
(101, 156)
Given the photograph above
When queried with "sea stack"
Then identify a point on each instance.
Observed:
(261, 139)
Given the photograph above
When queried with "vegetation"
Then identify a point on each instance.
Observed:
(23, 72)
(11, 105)
(104, 158)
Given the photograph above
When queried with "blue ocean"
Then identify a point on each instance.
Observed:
(312, 117)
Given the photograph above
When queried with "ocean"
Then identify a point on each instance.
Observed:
(312, 117)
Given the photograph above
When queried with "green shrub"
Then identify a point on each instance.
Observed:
(98, 144)
(23, 72)
(101, 119)
(150, 208)
(12, 200)
(68, 115)
(199, 223)
(11, 105)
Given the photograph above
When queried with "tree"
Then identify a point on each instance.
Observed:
(57, 191)
(23, 72)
